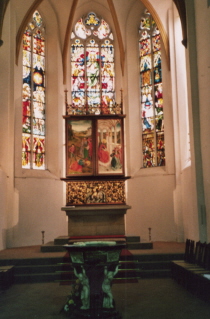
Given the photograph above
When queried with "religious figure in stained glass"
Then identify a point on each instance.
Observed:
(152, 113)
(33, 95)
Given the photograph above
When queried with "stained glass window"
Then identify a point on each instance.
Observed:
(92, 67)
(33, 95)
(151, 93)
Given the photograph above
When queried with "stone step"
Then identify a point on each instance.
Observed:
(63, 271)
(36, 278)
(131, 239)
(131, 245)
(69, 276)
(139, 246)
(24, 270)
(51, 247)
(31, 261)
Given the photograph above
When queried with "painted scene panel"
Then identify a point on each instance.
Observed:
(79, 148)
(110, 146)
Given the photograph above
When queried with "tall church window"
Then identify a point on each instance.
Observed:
(92, 67)
(151, 93)
(94, 121)
(33, 95)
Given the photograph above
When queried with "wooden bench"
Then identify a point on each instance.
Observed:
(194, 271)
(6, 276)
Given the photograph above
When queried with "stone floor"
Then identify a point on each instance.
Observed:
(147, 299)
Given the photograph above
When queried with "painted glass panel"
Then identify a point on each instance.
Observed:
(37, 19)
(103, 31)
(156, 43)
(38, 152)
(153, 145)
(160, 149)
(146, 63)
(33, 94)
(78, 101)
(158, 99)
(77, 52)
(110, 147)
(27, 41)
(38, 43)
(79, 148)
(107, 52)
(145, 22)
(26, 150)
(107, 76)
(108, 102)
(145, 47)
(92, 20)
(148, 142)
(146, 79)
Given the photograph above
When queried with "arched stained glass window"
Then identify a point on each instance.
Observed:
(92, 67)
(151, 93)
(33, 95)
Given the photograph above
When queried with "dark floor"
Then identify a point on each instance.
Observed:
(147, 299)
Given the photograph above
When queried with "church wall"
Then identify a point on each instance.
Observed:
(39, 210)
(39, 195)
(189, 205)
(151, 198)
(149, 191)
(7, 115)
(185, 201)
(4, 141)
(203, 54)
(163, 198)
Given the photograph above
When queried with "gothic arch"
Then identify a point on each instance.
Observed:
(22, 27)
(68, 32)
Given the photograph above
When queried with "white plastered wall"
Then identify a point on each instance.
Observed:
(185, 202)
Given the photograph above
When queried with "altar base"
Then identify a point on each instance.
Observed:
(96, 220)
